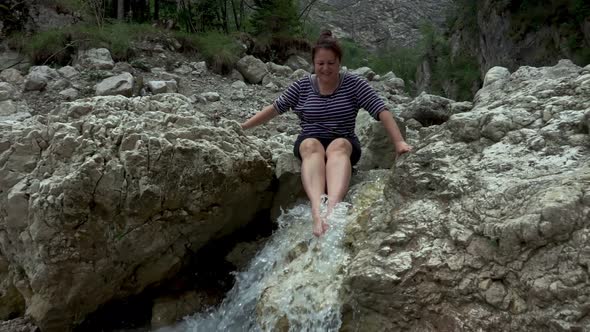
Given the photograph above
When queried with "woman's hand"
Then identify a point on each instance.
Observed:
(402, 147)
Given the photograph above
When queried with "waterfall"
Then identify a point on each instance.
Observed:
(292, 284)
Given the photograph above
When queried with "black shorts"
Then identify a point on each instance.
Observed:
(355, 156)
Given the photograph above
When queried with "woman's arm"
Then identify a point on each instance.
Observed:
(394, 133)
(261, 117)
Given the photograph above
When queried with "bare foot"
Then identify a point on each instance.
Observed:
(325, 226)
(318, 228)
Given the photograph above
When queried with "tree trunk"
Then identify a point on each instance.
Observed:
(224, 18)
(156, 10)
(120, 10)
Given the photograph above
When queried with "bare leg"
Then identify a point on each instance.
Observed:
(313, 176)
(338, 171)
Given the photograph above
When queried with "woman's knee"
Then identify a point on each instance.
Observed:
(339, 146)
(310, 146)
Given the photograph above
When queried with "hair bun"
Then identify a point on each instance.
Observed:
(326, 33)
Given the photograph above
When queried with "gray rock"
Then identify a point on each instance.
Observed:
(365, 72)
(299, 74)
(184, 69)
(378, 150)
(200, 67)
(288, 173)
(68, 72)
(121, 67)
(429, 109)
(39, 77)
(389, 75)
(18, 325)
(236, 75)
(252, 68)
(296, 62)
(12, 303)
(59, 84)
(492, 204)
(121, 156)
(238, 95)
(15, 60)
(495, 74)
(69, 94)
(156, 87)
(7, 107)
(238, 85)
(211, 96)
(12, 76)
(395, 83)
(95, 58)
(35, 82)
(116, 85)
(278, 69)
(7, 91)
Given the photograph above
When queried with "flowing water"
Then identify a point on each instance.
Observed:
(292, 284)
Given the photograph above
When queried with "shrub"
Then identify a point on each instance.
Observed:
(221, 52)
(275, 17)
(354, 55)
(58, 45)
(47, 47)
(403, 61)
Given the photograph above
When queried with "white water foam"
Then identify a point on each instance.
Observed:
(292, 284)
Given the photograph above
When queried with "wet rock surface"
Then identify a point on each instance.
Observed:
(485, 225)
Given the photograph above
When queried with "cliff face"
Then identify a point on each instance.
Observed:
(378, 23)
(519, 33)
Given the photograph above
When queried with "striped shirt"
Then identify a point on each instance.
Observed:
(329, 116)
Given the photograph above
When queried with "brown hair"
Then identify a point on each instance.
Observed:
(327, 41)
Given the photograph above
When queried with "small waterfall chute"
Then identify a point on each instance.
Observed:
(292, 284)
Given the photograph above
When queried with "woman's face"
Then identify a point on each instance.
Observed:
(326, 64)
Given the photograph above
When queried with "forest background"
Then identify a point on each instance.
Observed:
(222, 31)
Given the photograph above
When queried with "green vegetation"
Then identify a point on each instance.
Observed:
(13, 14)
(452, 75)
(58, 45)
(401, 60)
(566, 16)
(220, 51)
(275, 18)
(354, 56)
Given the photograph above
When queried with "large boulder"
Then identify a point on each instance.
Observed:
(12, 76)
(364, 72)
(296, 62)
(485, 226)
(39, 77)
(429, 109)
(121, 84)
(279, 70)
(7, 91)
(105, 196)
(95, 58)
(252, 68)
(377, 149)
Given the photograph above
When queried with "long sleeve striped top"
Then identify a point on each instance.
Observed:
(329, 116)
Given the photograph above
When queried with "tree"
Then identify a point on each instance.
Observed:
(97, 8)
(275, 18)
(120, 9)
(238, 7)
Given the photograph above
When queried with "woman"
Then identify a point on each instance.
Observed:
(327, 104)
